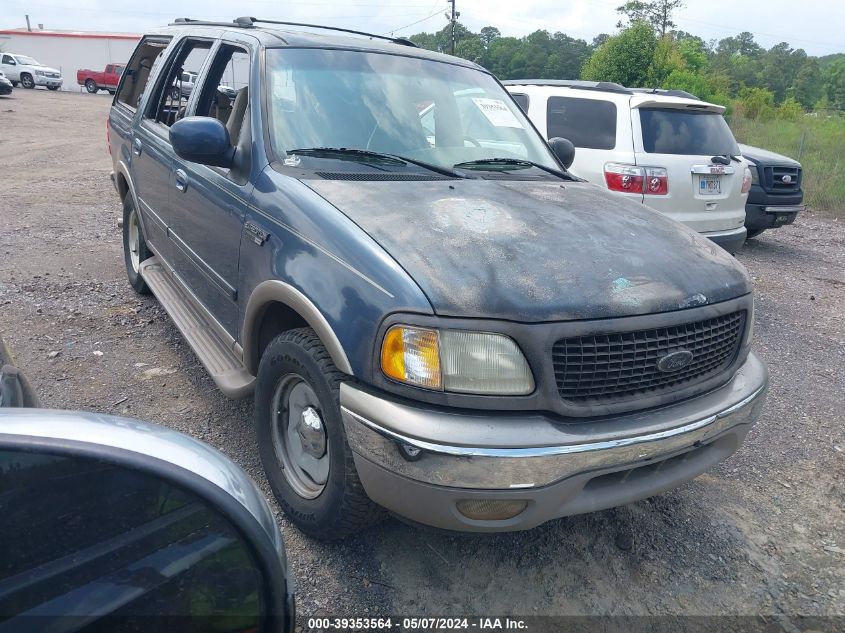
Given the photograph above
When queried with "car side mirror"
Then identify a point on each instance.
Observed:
(12, 62)
(202, 139)
(125, 525)
(563, 149)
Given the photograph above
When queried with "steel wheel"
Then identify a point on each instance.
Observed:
(299, 436)
(27, 81)
(134, 242)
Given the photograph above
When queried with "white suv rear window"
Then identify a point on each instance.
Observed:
(589, 123)
(667, 131)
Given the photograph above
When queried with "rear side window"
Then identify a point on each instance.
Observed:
(667, 131)
(521, 101)
(134, 80)
(589, 123)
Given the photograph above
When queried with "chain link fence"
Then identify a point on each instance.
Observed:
(817, 141)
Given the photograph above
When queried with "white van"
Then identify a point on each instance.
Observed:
(664, 148)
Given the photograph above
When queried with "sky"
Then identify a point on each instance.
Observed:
(814, 25)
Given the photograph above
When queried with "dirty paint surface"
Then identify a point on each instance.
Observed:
(537, 251)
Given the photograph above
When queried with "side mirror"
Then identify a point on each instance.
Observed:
(125, 526)
(202, 139)
(563, 149)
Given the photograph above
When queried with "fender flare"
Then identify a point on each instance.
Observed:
(275, 291)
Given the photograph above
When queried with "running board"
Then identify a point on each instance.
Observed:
(198, 328)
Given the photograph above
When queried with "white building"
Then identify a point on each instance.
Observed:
(70, 51)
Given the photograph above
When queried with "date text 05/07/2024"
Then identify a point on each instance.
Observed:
(417, 624)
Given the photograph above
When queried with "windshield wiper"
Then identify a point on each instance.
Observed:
(390, 159)
(515, 162)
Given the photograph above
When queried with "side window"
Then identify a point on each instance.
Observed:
(588, 123)
(7, 59)
(174, 87)
(225, 90)
(521, 101)
(134, 80)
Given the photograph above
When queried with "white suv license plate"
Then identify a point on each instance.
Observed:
(709, 185)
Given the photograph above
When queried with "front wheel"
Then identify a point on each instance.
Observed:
(135, 248)
(53, 88)
(176, 93)
(91, 86)
(302, 442)
(26, 81)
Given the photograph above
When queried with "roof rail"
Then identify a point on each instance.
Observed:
(247, 22)
(236, 23)
(604, 86)
(396, 40)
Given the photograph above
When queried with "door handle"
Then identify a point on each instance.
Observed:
(136, 147)
(181, 180)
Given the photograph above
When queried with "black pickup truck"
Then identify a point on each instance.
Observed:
(776, 196)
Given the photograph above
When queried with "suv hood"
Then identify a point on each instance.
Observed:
(758, 155)
(537, 251)
(46, 69)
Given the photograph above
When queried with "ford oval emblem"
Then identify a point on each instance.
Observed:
(786, 179)
(674, 361)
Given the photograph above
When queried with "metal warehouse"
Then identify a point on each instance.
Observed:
(69, 51)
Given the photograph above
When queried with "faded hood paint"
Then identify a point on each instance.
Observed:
(537, 251)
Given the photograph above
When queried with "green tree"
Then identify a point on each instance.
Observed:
(658, 13)
(808, 86)
(625, 58)
(488, 34)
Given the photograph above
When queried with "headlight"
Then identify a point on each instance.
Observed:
(755, 177)
(459, 361)
(40, 73)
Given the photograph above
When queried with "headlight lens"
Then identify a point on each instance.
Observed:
(40, 73)
(459, 361)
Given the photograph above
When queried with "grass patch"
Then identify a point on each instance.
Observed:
(817, 141)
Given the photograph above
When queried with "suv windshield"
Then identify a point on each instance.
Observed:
(667, 131)
(431, 111)
(26, 61)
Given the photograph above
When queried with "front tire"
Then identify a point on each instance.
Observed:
(53, 88)
(26, 81)
(176, 93)
(302, 441)
(135, 248)
(91, 86)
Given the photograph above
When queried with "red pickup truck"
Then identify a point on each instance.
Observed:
(95, 80)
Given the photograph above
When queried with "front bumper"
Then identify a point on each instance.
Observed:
(770, 216)
(40, 80)
(555, 467)
(731, 240)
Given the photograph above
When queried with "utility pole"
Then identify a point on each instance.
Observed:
(29, 28)
(453, 18)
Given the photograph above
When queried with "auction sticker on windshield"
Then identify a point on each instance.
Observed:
(497, 112)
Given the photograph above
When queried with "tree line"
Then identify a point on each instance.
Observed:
(649, 51)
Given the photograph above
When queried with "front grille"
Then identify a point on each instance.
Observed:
(610, 367)
(774, 178)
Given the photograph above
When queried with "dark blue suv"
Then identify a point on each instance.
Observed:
(434, 316)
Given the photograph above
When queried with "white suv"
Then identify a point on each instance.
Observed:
(666, 149)
(28, 72)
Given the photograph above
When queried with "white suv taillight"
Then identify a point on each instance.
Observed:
(652, 181)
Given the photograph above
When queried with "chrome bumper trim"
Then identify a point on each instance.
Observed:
(509, 467)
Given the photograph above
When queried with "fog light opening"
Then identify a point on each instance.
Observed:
(411, 453)
(491, 509)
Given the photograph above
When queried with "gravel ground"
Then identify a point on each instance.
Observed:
(762, 534)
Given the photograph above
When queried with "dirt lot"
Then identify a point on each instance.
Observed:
(763, 534)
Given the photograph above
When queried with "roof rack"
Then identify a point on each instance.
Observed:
(604, 86)
(246, 22)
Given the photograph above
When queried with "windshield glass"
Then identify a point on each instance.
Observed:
(26, 61)
(435, 112)
(667, 131)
